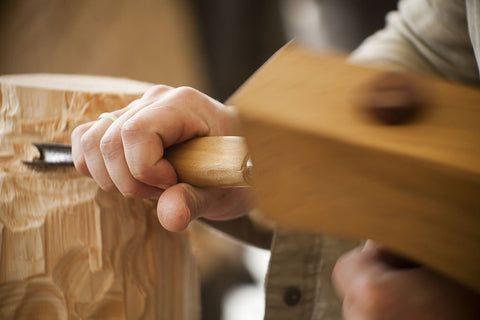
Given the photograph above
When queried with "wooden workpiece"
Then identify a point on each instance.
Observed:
(323, 164)
(67, 249)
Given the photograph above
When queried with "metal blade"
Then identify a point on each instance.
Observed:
(52, 154)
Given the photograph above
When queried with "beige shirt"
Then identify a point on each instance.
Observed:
(434, 37)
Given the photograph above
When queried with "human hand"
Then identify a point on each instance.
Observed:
(372, 289)
(126, 154)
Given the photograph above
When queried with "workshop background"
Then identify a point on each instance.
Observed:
(212, 45)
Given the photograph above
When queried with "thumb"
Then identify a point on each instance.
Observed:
(182, 203)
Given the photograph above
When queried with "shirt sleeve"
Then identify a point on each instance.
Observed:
(424, 36)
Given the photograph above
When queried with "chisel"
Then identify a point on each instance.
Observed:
(216, 161)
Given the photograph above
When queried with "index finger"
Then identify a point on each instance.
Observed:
(168, 121)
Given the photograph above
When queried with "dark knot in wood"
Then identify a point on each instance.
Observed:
(393, 99)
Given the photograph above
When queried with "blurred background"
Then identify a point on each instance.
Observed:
(212, 45)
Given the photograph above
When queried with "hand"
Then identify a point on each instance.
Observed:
(372, 289)
(126, 154)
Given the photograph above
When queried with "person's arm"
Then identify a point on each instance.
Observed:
(426, 37)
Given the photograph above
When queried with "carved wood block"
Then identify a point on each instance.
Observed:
(67, 249)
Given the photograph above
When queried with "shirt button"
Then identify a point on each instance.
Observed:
(292, 296)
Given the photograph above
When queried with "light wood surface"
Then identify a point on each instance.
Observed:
(67, 249)
(321, 164)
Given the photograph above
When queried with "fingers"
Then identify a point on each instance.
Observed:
(97, 150)
(357, 266)
(86, 151)
(359, 279)
(182, 203)
(127, 154)
(181, 114)
(115, 159)
(133, 146)
(77, 152)
(145, 136)
(372, 290)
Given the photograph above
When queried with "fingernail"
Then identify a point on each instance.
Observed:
(370, 245)
(163, 186)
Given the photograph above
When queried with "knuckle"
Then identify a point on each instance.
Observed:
(340, 266)
(89, 142)
(132, 104)
(155, 91)
(108, 146)
(132, 126)
(187, 93)
(78, 131)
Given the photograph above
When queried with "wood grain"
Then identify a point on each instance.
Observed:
(215, 161)
(323, 165)
(67, 249)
